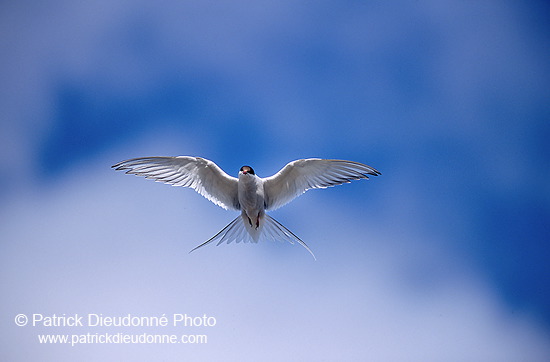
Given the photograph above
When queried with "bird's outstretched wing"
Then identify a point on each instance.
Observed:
(299, 176)
(200, 174)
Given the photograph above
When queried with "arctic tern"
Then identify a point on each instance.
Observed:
(249, 194)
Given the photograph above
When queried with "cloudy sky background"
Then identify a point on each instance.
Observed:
(443, 257)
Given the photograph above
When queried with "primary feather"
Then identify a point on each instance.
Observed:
(200, 174)
(299, 176)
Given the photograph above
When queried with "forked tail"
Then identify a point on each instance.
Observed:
(271, 229)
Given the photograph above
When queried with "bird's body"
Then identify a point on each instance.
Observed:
(251, 197)
(248, 193)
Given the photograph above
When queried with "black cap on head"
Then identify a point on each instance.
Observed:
(247, 169)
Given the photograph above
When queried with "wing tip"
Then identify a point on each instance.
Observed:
(118, 166)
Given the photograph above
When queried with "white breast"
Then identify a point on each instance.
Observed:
(251, 193)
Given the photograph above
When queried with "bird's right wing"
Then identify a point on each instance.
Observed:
(299, 176)
(200, 174)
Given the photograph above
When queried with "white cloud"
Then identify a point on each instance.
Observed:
(104, 242)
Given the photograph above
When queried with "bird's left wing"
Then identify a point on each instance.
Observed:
(200, 174)
(299, 176)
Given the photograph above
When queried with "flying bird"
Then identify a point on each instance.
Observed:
(249, 194)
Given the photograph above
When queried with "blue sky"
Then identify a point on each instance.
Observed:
(444, 255)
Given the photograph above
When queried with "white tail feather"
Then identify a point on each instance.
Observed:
(239, 230)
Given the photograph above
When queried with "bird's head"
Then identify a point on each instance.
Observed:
(247, 170)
